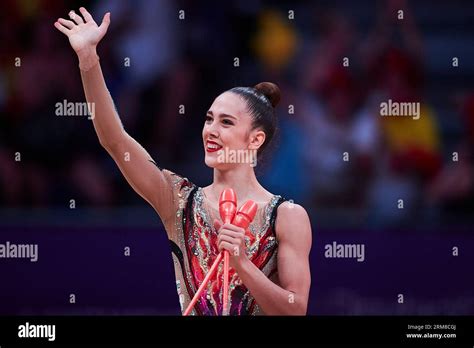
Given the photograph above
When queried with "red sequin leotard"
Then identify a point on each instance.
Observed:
(193, 241)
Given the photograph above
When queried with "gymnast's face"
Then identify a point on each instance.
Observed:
(228, 129)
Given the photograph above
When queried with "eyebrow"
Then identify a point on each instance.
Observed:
(221, 115)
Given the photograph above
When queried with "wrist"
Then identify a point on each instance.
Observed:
(243, 266)
(88, 58)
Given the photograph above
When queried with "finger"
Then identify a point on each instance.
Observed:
(234, 250)
(224, 238)
(227, 246)
(75, 17)
(217, 224)
(66, 23)
(87, 16)
(105, 22)
(233, 234)
(233, 228)
(61, 28)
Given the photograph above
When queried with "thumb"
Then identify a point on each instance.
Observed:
(217, 225)
(105, 22)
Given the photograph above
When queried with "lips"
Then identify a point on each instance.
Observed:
(212, 146)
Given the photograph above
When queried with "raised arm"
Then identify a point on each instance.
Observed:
(134, 162)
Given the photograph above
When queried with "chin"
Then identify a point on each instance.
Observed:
(213, 163)
(210, 164)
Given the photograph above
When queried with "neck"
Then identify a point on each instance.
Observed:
(241, 179)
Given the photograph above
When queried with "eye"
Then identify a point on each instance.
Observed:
(227, 122)
(208, 118)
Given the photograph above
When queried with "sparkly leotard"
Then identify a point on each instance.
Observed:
(193, 241)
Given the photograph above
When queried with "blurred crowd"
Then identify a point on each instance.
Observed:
(334, 62)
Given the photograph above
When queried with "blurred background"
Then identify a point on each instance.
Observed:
(327, 109)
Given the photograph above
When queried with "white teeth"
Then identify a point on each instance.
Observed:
(213, 146)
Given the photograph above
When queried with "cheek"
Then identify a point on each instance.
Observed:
(238, 136)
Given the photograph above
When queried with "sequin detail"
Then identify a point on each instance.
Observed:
(197, 240)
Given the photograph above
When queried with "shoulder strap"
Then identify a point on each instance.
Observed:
(274, 211)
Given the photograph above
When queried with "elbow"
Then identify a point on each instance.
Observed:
(111, 146)
(298, 305)
(298, 309)
(104, 144)
(111, 141)
(108, 147)
(302, 309)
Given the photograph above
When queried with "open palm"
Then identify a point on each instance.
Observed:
(83, 33)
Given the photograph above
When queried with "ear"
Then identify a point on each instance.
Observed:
(256, 138)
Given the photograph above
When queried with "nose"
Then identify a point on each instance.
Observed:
(211, 131)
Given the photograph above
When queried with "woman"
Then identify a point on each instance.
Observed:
(270, 270)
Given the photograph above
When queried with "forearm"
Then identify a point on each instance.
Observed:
(272, 299)
(106, 120)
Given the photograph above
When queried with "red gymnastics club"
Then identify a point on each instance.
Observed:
(227, 208)
(242, 219)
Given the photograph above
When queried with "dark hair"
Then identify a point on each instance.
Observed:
(261, 102)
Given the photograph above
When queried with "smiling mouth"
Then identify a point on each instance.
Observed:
(212, 147)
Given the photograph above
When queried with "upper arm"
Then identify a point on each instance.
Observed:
(293, 230)
(143, 175)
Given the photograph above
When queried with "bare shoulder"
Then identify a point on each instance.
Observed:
(289, 209)
(292, 219)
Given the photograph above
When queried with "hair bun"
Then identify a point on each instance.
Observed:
(270, 90)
